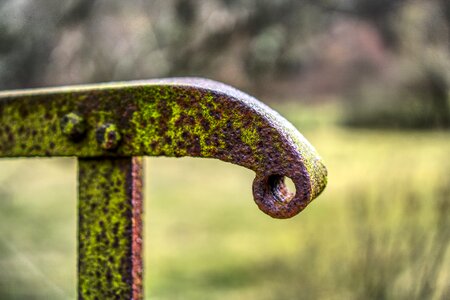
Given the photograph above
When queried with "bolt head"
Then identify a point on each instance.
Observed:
(108, 136)
(73, 126)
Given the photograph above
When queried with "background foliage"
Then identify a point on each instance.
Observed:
(366, 81)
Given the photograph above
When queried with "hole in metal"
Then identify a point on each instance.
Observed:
(281, 187)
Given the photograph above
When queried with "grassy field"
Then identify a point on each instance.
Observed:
(381, 229)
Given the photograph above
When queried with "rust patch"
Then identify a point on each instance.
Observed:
(136, 246)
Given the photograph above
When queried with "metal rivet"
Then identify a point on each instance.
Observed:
(108, 136)
(73, 126)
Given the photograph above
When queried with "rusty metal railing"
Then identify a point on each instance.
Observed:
(109, 127)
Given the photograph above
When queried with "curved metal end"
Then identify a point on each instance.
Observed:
(274, 198)
(300, 163)
(271, 146)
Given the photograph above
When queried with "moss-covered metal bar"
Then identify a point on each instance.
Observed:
(110, 228)
(168, 117)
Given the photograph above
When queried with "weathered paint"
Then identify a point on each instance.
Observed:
(110, 228)
(170, 117)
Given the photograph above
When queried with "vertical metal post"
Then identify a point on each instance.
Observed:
(110, 228)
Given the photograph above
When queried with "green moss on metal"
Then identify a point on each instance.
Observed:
(177, 116)
(108, 136)
(72, 125)
(104, 229)
(250, 136)
(162, 120)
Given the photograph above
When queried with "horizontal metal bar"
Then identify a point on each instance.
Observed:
(168, 117)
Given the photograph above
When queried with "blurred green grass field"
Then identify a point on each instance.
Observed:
(380, 230)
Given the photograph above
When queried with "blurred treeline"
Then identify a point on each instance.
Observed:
(385, 62)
